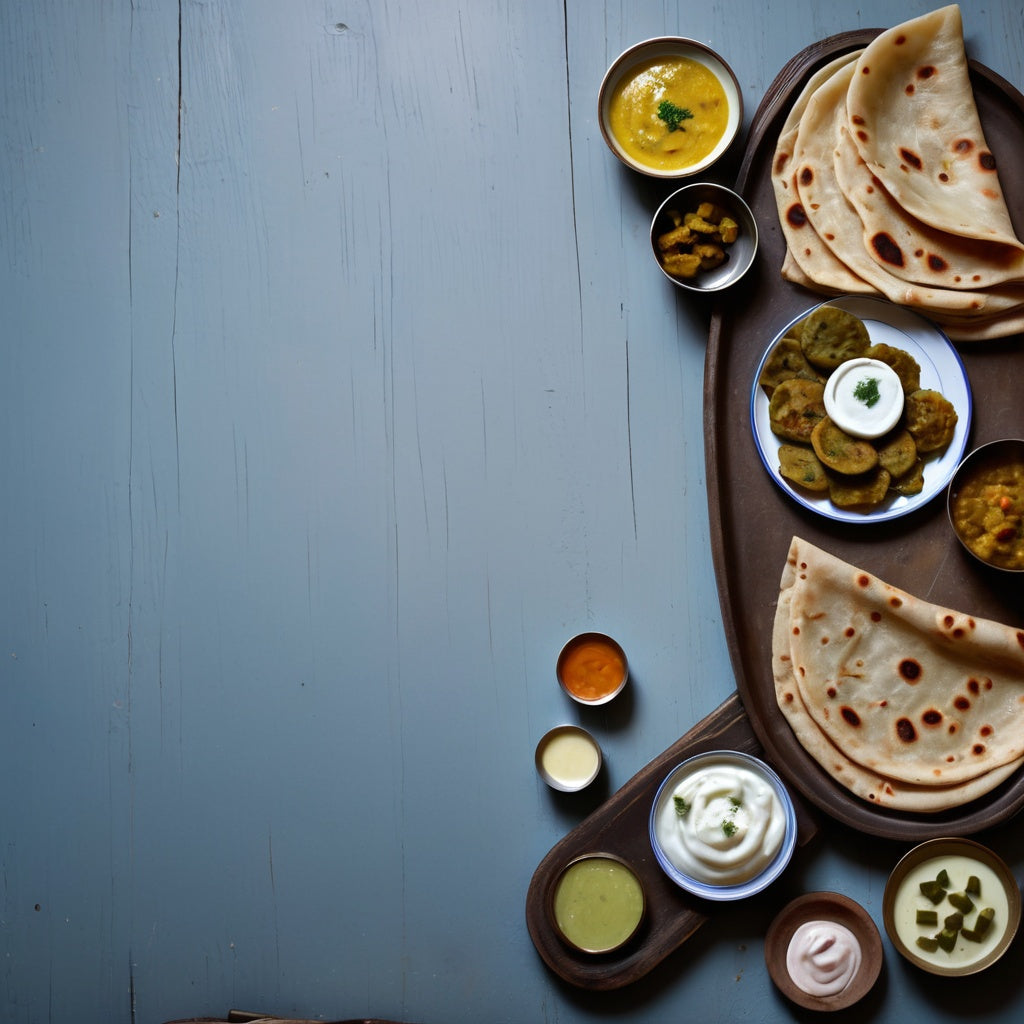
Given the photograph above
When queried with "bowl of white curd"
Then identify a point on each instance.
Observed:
(722, 825)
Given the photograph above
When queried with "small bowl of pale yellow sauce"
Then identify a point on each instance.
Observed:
(669, 107)
(568, 758)
(723, 825)
(597, 903)
(951, 907)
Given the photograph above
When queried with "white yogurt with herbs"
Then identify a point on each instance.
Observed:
(722, 823)
(823, 957)
(864, 397)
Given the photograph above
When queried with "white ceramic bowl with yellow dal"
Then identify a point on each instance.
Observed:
(669, 107)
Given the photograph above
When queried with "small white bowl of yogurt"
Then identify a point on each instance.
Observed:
(722, 825)
(864, 397)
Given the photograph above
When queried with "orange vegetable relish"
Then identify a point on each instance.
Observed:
(592, 667)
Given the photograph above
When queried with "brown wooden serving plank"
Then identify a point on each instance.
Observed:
(620, 826)
(753, 521)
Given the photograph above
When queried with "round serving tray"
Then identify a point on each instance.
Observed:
(753, 521)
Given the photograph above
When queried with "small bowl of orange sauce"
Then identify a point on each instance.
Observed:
(592, 668)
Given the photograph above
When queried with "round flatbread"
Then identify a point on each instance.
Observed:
(910, 249)
(914, 120)
(837, 224)
(809, 261)
(906, 703)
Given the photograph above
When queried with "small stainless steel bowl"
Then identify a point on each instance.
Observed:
(1006, 452)
(603, 915)
(592, 668)
(667, 47)
(568, 758)
(741, 253)
(922, 863)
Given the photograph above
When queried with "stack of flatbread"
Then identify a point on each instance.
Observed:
(886, 186)
(907, 704)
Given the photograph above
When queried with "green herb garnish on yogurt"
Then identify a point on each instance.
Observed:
(673, 116)
(866, 391)
(682, 807)
(729, 828)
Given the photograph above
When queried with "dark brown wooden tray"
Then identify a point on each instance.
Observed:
(753, 520)
(620, 826)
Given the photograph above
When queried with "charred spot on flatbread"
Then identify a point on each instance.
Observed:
(797, 405)
(840, 451)
(887, 249)
(831, 336)
(902, 362)
(930, 418)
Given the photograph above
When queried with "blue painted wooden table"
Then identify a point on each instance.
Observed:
(337, 390)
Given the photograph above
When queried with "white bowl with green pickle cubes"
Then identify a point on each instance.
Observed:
(951, 907)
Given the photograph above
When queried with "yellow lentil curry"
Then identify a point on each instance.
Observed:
(988, 513)
(669, 113)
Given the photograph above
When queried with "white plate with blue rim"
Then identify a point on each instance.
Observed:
(942, 370)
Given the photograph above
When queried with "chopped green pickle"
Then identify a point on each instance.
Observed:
(961, 901)
(984, 921)
(933, 891)
(955, 924)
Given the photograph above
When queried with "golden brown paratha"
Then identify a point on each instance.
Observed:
(906, 703)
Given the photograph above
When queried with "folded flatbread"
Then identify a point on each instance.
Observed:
(835, 220)
(910, 249)
(884, 184)
(915, 122)
(809, 261)
(907, 704)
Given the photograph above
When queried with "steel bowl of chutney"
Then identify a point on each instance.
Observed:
(669, 107)
(592, 668)
(597, 903)
(985, 504)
